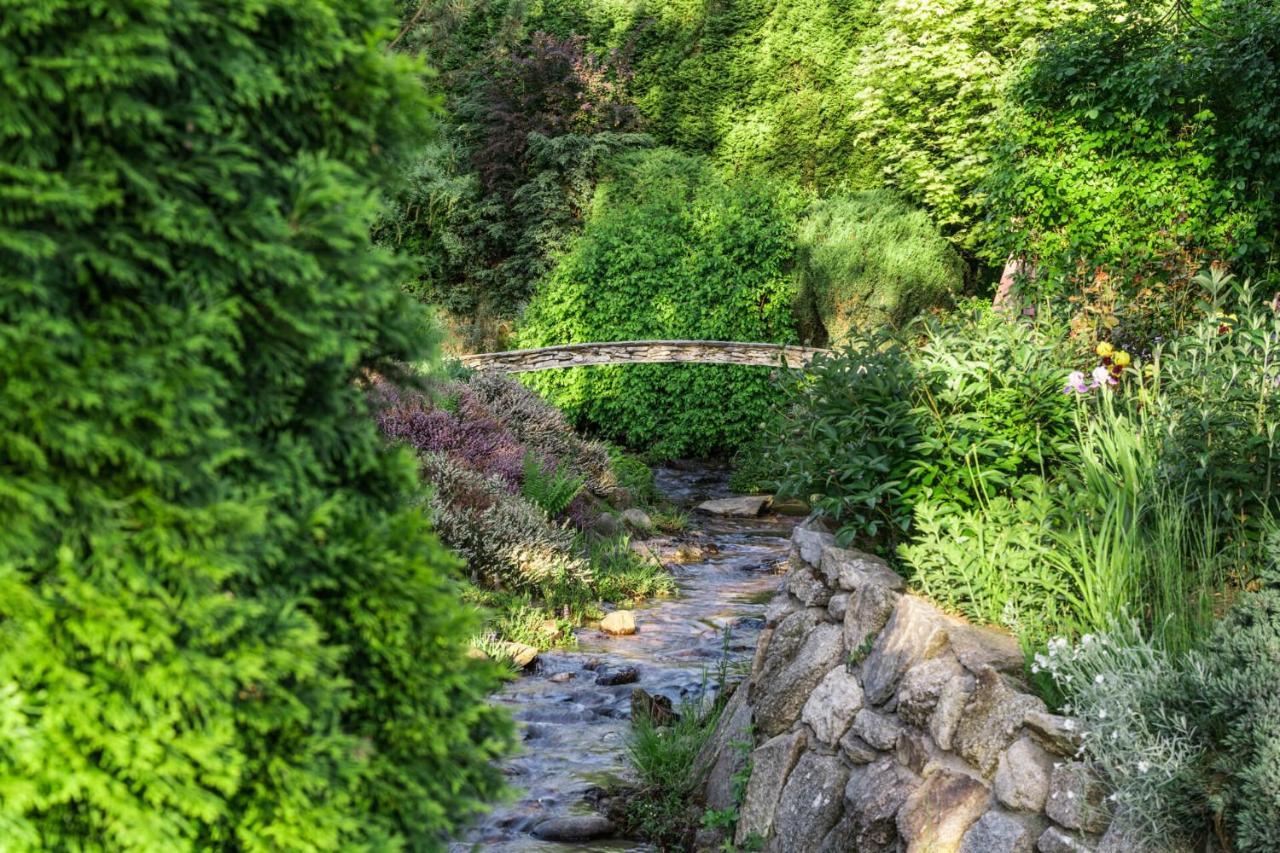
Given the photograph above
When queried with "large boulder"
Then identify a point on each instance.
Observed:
(914, 633)
(783, 695)
(810, 803)
(992, 719)
(832, 705)
(936, 816)
(1077, 798)
(808, 539)
(851, 570)
(1001, 832)
(771, 764)
(873, 797)
(807, 587)
(721, 757)
(1022, 776)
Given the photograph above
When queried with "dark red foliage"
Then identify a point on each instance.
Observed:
(552, 87)
(465, 430)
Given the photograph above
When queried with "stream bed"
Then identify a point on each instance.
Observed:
(573, 730)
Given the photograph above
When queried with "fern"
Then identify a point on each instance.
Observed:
(551, 490)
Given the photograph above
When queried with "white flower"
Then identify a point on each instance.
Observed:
(1143, 767)
(1102, 713)
(1097, 679)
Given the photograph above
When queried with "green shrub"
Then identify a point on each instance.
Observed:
(1126, 142)
(225, 625)
(869, 260)
(931, 79)
(669, 251)
(993, 564)
(843, 437)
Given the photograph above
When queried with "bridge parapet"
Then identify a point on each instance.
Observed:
(642, 352)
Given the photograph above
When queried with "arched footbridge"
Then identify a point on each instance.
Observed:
(642, 352)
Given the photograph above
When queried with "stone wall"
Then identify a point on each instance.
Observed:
(875, 722)
(642, 352)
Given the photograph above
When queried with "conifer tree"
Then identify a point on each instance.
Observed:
(223, 621)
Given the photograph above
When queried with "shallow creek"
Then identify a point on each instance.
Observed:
(574, 731)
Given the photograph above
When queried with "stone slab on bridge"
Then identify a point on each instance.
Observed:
(642, 352)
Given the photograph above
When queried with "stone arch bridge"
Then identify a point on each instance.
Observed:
(642, 352)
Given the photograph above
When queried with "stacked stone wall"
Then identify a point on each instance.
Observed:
(873, 722)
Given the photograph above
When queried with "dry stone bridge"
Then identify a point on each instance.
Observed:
(642, 352)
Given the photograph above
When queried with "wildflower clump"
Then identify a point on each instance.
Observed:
(1106, 374)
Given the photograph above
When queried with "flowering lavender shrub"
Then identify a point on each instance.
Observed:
(542, 428)
(507, 542)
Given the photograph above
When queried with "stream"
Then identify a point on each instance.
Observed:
(574, 731)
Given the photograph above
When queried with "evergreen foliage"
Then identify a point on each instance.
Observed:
(1130, 140)
(670, 251)
(869, 260)
(223, 625)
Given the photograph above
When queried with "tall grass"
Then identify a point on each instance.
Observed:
(1139, 543)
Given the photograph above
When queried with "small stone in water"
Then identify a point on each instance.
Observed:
(573, 828)
(619, 622)
(561, 677)
(625, 675)
(656, 709)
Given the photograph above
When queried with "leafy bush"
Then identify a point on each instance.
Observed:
(844, 436)
(1127, 141)
(993, 564)
(931, 78)
(669, 251)
(225, 626)
(869, 260)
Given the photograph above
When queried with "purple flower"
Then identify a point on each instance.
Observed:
(1076, 383)
(1102, 376)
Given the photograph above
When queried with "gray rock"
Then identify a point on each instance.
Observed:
(857, 750)
(837, 606)
(879, 730)
(977, 647)
(620, 623)
(743, 506)
(721, 757)
(787, 640)
(810, 803)
(922, 684)
(771, 763)
(936, 816)
(913, 634)
(1056, 840)
(832, 705)
(571, 828)
(915, 750)
(808, 540)
(865, 615)
(521, 654)
(780, 607)
(637, 519)
(851, 570)
(784, 694)
(1000, 832)
(655, 708)
(873, 797)
(1059, 735)
(606, 525)
(991, 720)
(622, 675)
(1022, 776)
(1077, 798)
(807, 587)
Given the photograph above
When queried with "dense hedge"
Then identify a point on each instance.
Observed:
(223, 625)
(868, 260)
(670, 251)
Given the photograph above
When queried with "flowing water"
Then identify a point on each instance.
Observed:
(574, 730)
